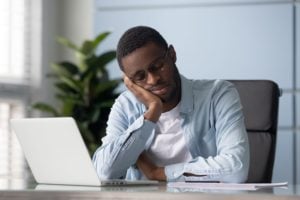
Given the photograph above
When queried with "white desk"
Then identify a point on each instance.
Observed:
(20, 189)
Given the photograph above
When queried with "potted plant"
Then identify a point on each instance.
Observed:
(84, 89)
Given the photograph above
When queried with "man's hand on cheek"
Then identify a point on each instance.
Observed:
(150, 170)
(151, 101)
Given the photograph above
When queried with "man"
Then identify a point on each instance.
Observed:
(166, 127)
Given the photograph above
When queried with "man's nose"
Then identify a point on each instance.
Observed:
(152, 78)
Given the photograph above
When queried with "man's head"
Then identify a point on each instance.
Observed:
(138, 37)
(144, 56)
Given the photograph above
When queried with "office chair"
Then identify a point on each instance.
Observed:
(260, 100)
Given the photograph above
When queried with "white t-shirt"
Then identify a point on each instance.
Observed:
(168, 145)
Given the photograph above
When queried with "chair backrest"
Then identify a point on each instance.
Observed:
(260, 101)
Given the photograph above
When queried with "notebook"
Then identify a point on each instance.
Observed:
(56, 153)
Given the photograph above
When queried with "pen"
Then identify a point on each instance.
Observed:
(202, 181)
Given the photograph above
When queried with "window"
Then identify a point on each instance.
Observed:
(13, 19)
(14, 81)
(12, 162)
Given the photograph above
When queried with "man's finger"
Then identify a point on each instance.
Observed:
(137, 90)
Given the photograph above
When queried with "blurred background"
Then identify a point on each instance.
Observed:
(214, 39)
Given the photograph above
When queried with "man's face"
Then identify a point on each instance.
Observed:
(153, 68)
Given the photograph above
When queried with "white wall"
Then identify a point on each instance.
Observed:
(76, 21)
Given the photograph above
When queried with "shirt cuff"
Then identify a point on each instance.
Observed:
(174, 172)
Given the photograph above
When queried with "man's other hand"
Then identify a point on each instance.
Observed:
(150, 170)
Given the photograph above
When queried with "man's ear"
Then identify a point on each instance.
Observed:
(172, 54)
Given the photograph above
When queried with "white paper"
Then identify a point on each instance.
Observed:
(226, 186)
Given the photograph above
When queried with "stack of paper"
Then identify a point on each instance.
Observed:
(225, 186)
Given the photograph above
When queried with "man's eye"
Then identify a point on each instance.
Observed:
(139, 77)
(157, 66)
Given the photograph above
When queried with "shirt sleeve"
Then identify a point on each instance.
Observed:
(231, 162)
(124, 141)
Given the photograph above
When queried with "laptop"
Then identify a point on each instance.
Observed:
(56, 153)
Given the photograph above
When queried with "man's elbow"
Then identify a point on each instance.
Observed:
(234, 178)
(241, 169)
(238, 173)
(105, 173)
(241, 176)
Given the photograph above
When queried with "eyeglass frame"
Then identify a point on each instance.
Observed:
(152, 68)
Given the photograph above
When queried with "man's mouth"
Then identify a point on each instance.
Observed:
(159, 90)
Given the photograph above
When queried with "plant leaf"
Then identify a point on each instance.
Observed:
(72, 83)
(45, 108)
(80, 57)
(70, 98)
(102, 60)
(70, 67)
(64, 69)
(63, 87)
(67, 43)
(89, 46)
(100, 38)
(67, 107)
(98, 63)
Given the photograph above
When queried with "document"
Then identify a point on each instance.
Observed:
(225, 186)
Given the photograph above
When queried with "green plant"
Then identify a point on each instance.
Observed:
(84, 90)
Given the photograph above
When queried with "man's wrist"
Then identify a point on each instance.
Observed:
(153, 113)
(159, 174)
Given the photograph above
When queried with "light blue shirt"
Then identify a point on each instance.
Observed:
(214, 130)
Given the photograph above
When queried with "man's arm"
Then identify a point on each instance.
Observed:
(126, 138)
(154, 110)
(227, 138)
(122, 145)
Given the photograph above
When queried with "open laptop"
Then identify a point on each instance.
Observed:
(56, 153)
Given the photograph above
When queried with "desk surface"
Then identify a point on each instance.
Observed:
(20, 189)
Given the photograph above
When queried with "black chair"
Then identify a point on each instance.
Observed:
(260, 101)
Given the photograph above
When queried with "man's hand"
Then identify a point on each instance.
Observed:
(151, 171)
(151, 101)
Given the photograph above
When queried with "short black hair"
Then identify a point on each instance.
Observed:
(137, 37)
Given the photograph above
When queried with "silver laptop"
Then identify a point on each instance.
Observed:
(56, 153)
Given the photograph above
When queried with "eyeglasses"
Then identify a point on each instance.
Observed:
(155, 68)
